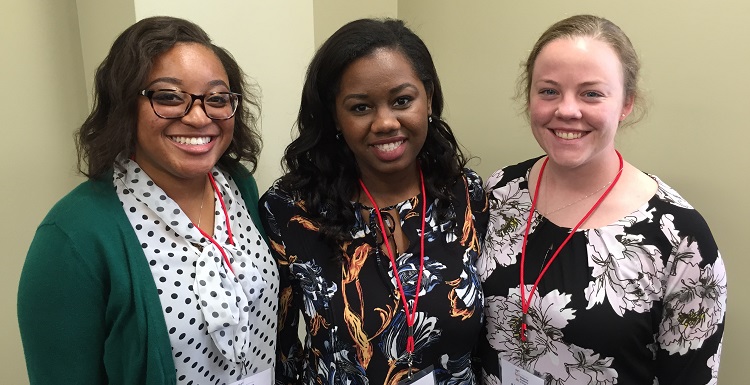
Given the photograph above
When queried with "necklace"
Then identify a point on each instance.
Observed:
(548, 213)
(200, 213)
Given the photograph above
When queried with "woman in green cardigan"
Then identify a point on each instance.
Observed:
(155, 270)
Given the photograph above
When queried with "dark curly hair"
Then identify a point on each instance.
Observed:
(320, 169)
(110, 128)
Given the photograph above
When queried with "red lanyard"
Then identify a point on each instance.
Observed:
(410, 316)
(526, 302)
(226, 222)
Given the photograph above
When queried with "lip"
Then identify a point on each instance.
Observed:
(568, 134)
(388, 150)
(203, 143)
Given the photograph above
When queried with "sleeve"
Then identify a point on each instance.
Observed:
(61, 309)
(289, 354)
(694, 307)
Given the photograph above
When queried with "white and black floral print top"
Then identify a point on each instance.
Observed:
(640, 301)
(221, 321)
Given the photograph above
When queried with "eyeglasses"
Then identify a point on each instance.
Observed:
(173, 104)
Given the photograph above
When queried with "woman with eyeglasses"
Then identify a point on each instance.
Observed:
(155, 270)
(377, 225)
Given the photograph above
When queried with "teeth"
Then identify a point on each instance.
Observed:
(388, 146)
(568, 135)
(191, 140)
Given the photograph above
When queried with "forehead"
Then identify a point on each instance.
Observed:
(383, 66)
(584, 54)
(188, 62)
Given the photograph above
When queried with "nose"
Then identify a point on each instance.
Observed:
(196, 115)
(568, 108)
(385, 120)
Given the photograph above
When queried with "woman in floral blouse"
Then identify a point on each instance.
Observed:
(594, 272)
(377, 225)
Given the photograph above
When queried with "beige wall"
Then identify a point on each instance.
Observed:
(332, 14)
(43, 99)
(693, 59)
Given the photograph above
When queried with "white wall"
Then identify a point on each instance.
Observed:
(42, 102)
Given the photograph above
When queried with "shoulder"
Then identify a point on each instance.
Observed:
(84, 205)
(278, 205)
(277, 195)
(506, 174)
(678, 219)
(473, 179)
(244, 180)
(89, 225)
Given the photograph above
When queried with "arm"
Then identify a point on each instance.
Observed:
(289, 353)
(692, 323)
(61, 305)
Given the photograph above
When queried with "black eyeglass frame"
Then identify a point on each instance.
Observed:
(193, 97)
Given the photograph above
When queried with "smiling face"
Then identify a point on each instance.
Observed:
(577, 100)
(175, 150)
(382, 109)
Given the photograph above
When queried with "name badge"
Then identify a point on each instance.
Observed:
(514, 375)
(263, 378)
(423, 377)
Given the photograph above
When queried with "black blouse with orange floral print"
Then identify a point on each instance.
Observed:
(354, 318)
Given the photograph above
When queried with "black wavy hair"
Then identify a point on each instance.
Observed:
(112, 124)
(320, 169)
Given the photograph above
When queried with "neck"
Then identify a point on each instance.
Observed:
(392, 190)
(584, 178)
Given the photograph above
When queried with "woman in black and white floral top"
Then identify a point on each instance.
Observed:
(594, 272)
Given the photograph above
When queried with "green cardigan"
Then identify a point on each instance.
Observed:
(88, 308)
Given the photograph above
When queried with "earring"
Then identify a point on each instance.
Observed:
(339, 136)
(429, 119)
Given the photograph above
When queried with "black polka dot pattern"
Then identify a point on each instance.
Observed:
(219, 320)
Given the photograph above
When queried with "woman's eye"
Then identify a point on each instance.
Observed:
(402, 101)
(217, 100)
(359, 108)
(592, 94)
(167, 97)
(547, 92)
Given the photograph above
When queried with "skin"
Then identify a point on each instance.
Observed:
(382, 109)
(181, 169)
(576, 103)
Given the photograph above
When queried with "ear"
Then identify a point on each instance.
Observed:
(429, 103)
(627, 107)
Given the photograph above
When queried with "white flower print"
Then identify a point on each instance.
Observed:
(694, 295)
(668, 194)
(545, 348)
(713, 363)
(506, 227)
(625, 270)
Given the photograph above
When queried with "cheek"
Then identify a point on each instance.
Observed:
(539, 113)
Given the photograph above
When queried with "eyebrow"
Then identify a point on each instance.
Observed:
(393, 90)
(178, 82)
(584, 84)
